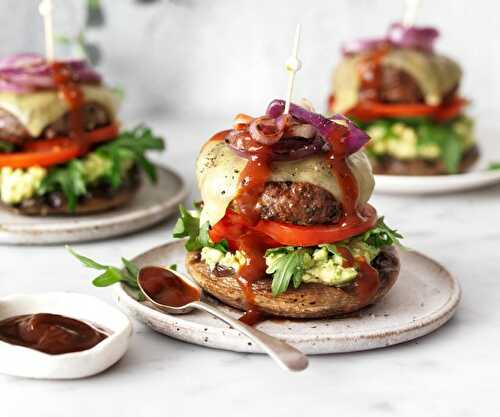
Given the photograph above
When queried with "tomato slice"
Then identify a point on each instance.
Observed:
(43, 157)
(295, 235)
(233, 225)
(55, 151)
(372, 110)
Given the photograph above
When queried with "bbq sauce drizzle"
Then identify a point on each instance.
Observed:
(72, 93)
(252, 181)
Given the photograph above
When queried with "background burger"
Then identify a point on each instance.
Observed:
(407, 98)
(285, 227)
(60, 146)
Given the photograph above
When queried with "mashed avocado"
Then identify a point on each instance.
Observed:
(18, 184)
(321, 264)
(418, 139)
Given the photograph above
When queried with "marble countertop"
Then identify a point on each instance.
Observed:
(452, 372)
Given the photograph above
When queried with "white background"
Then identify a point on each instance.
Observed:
(187, 66)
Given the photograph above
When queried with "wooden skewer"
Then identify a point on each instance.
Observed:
(410, 14)
(293, 65)
(45, 8)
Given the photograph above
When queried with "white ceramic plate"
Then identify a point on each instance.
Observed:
(438, 184)
(424, 298)
(24, 362)
(152, 204)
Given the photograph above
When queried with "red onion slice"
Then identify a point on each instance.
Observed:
(31, 72)
(398, 35)
(412, 37)
(354, 140)
(267, 130)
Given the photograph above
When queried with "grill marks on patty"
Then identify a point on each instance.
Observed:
(298, 203)
(13, 131)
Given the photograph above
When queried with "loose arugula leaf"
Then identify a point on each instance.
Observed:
(382, 235)
(89, 263)
(173, 267)
(286, 268)
(111, 275)
(494, 166)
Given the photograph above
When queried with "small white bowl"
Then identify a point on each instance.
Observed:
(29, 363)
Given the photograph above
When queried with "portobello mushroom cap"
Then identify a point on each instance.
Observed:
(310, 300)
(97, 200)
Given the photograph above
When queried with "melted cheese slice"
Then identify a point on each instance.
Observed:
(218, 170)
(38, 110)
(435, 75)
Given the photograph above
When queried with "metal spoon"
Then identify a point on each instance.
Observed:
(285, 355)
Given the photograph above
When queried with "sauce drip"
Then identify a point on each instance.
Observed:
(164, 287)
(367, 282)
(370, 72)
(72, 93)
(50, 333)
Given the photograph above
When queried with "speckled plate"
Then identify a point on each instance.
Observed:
(435, 184)
(424, 298)
(152, 204)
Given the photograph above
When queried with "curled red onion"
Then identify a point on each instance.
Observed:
(31, 72)
(398, 35)
(287, 149)
(354, 140)
(412, 37)
(267, 130)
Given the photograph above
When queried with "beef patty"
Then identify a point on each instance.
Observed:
(397, 86)
(13, 131)
(298, 203)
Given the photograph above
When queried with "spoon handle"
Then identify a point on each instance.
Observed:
(285, 355)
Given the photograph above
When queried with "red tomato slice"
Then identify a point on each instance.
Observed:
(43, 158)
(232, 226)
(372, 110)
(55, 151)
(294, 235)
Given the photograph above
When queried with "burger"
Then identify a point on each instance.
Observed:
(61, 151)
(406, 97)
(284, 227)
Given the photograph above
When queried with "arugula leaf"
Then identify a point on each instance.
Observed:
(188, 225)
(111, 275)
(287, 267)
(494, 166)
(381, 235)
(173, 267)
(452, 153)
(68, 178)
(6, 146)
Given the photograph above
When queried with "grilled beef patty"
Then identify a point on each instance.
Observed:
(13, 131)
(399, 87)
(298, 203)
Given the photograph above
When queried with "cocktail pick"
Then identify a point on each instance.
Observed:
(45, 8)
(293, 65)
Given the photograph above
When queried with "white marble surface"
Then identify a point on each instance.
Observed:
(453, 372)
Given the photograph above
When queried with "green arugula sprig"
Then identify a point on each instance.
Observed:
(188, 225)
(429, 132)
(494, 166)
(286, 269)
(381, 235)
(289, 268)
(129, 145)
(111, 275)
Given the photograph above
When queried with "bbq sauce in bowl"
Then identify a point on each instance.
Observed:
(50, 333)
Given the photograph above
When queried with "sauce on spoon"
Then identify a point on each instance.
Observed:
(166, 288)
